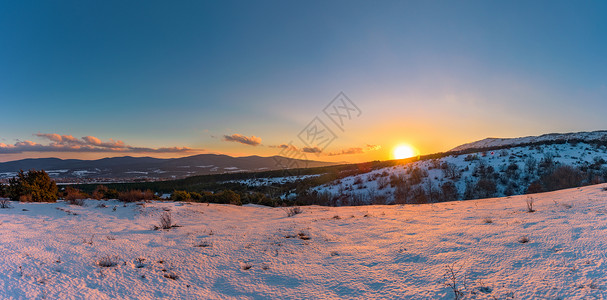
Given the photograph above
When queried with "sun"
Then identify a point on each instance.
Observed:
(403, 151)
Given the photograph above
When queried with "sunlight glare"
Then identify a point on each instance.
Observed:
(403, 151)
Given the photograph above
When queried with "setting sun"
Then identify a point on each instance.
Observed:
(403, 151)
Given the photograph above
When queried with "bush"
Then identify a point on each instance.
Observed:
(74, 196)
(291, 211)
(181, 196)
(108, 261)
(485, 188)
(136, 195)
(165, 221)
(529, 203)
(5, 203)
(33, 186)
(103, 192)
(195, 196)
(224, 197)
(449, 191)
(563, 177)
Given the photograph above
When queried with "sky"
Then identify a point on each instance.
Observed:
(325, 80)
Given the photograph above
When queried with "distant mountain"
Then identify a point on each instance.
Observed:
(489, 143)
(149, 167)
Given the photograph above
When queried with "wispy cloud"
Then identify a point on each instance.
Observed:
(68, 143)
(355, 150)
(285, 146)
(311, 150)
(239, 138)
(316, 150)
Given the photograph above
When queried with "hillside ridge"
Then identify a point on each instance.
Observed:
(583, 136)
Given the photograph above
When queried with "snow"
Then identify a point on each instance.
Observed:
(272, 180)
(81, 173)
(51, 250)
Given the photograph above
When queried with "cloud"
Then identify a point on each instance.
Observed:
(347, 151)
(253, 140)
(285, 147)
(355, 150)
(68, 143)
(311, 150)
(373, 147)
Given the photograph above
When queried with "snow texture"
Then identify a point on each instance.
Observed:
(54, 250)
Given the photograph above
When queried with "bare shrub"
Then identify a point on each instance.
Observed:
(291, 211)
(136, 195)
(5, 203)
(488, 220)
(563, 177)
(165, 220)
(203, 244)
(529, 203)
(452, 280)
(246, 266)
(76, 201)
(302, 235)
(74, 196)
(139, 262)
(108, 261)
(382, 183)
(171, 275)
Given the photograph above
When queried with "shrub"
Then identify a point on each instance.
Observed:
(417, 175)
(74, 196)
(225, 197)
(452, 280)
(449, 191)
(108, 261)
(180, 196)
(195, 196)
(485, 188)
(103, 192)
(171, 275)
(529, 203)
(5, 203)
(563, 177)
(33, 186)
(535, 187)
(165, 221)
(135, 195)
(291, 211)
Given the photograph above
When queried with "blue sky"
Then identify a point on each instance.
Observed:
(159, 74)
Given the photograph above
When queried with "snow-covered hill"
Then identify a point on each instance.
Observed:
(502, 172)
(496, 248)
(552, 137)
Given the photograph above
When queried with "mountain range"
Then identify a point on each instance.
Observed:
(149, 167)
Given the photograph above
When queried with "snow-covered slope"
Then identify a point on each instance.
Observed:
(552, 137)
(51, 251)
(511, 170)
